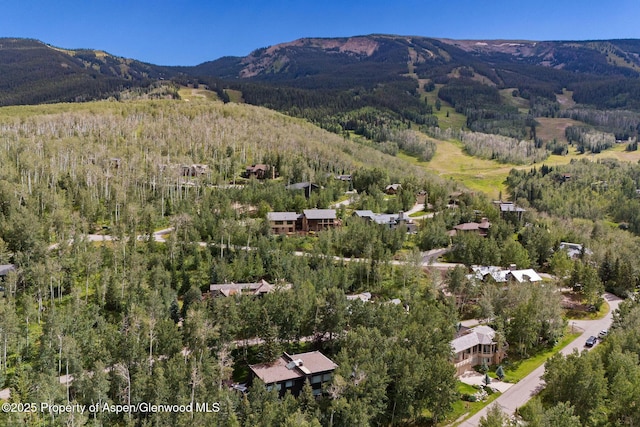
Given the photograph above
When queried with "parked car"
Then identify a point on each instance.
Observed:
(603, 333)
(591, 341)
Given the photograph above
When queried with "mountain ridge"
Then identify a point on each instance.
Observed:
(34, 72)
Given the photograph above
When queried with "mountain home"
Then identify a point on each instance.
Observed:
(290, 371)
(260, 171)
(307, 187)
(319, 219)
(481, 228)
(194, 170)
(476, 346)
(500, 275)
(284, 222)
(309, 220)
(510, 209)
(256, 289)
(6, 269)
(574, 250)
(392, 189)
(392, 221)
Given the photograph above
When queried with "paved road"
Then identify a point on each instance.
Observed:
(419, 207)
(353, 196)
(158, 236)
(5, 394)
(529, 386)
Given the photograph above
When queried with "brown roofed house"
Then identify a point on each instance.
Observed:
(481, 228)
(259, 171)
(392, 189)
(290, 371)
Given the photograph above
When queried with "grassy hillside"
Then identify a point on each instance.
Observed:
(488, 176)
(147, 134)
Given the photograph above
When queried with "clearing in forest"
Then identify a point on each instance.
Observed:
(488, 176)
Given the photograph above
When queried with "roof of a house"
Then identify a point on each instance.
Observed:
(364, 214)
(381, 218)
(364, 297)
(259, 166)
(292, 366)
(574, 249)
(497, 273)
(484, 224)
(320, 213)
(467, 226)
(301, 186)
(528, 275)
(283, 216)
(474, 336)
(501, 275)
(511, 207)
(6, 268)
(261, 287)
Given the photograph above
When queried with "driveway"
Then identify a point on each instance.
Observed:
(529, 386)
(476, 378)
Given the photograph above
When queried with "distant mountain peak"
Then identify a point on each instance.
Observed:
(360, 45)
(274, 58)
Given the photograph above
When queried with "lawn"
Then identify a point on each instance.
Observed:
(516, 101)
(488, 176)
(450, 161)
(588, 315)
(518, 369)
(188, 94)
(514, 372)
(554, 128)
(418, 214)
(465, 409)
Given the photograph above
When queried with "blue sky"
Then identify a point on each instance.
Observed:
(188, 32)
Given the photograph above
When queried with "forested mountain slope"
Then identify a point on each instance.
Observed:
(373, 86)
(32, 72)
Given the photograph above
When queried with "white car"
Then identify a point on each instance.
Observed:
(603, 333)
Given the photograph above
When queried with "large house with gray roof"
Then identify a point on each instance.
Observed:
(319, 219)
(500, 275)
(284, 222)
(309, 220)
(476, 346)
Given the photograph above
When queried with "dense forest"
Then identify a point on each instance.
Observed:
(116, 217)
(97, 296)
(130, 318)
